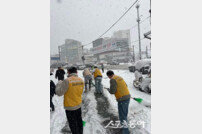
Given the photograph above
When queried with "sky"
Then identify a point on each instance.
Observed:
(86, 20)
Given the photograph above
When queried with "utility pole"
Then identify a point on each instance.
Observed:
(82, 50)
(150, 12)
(146, 52)
(83, 59)
(138, 21)
(59, 52)
(133, 54)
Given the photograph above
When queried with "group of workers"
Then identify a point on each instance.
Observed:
(72, 88)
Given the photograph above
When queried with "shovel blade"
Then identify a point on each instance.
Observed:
(84, 123)
(139, 100)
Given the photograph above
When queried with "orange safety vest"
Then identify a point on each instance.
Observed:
(73, 96)
(122, 89)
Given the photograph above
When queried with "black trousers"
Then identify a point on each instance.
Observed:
(51, 104)
(75, 121)
(60, 78)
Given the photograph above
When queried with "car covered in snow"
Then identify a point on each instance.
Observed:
(131, 68)
(142, 66)
(145, 85)
(142, 71)
(113, 63)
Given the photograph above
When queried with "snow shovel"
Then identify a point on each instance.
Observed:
(139, 100)
(84, 123)
(142, 102)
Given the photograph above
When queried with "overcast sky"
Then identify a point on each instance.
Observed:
(86, 20)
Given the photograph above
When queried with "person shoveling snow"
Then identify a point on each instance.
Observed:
(119, 88)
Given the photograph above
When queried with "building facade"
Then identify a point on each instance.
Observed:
(112, 49)
(54, 59)
(71, 51)
(122, 34)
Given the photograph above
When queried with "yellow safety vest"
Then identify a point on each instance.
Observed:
(122, 89)
(97, 73)
(73, 96)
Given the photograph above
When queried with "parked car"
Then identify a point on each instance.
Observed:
(113, 63)
(67, 67)
(145, 63)
(90, 65)
(56, 65)
(80, 67)
(145, 69)
(131, 68)
(102, 62)
(145, 85)
(143, 81)
(142, 66)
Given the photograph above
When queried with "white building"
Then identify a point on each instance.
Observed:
(122, 34)
(71, 51)
(89, 58)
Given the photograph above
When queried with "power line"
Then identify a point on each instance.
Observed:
(144, 19)
(119, 19)
(130, 28)
(136, 40)
(115, 22)
(140, 22)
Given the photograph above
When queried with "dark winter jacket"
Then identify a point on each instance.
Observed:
(60, 74)
(52, 88)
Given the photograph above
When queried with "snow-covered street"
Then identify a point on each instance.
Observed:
(99, 110)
